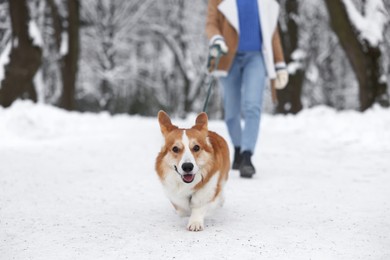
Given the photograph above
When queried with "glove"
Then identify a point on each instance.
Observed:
(218, 46)
(281, 78)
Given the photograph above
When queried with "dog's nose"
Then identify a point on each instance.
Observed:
(187, 167)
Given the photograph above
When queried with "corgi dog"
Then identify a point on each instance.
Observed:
(193, 166)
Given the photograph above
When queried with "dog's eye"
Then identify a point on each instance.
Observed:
(196, 148)
(175, 149)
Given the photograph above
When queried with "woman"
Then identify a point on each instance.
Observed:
(246, 32)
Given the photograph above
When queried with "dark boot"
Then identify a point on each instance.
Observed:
(237, 158)
(246, 167)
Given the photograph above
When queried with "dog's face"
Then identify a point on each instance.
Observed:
(186, 151)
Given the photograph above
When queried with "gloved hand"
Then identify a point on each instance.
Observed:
(218, 45)
(281, 78)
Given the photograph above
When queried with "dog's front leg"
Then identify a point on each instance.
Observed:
(196, 221)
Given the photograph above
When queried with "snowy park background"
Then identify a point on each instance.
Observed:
(81, 84)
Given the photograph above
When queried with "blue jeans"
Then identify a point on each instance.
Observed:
(243, 89)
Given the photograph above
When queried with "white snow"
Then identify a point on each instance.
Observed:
(35, 34)
(298, 56)
(15, 42)
(371, 26)
(293, 67)
(64, 44)
(83, 186)
(39, 84)
(4, 59)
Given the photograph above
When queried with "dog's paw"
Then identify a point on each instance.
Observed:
(195, 226)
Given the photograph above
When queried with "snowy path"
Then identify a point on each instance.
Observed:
(76, 186)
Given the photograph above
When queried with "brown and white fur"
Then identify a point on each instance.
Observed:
(193, 166)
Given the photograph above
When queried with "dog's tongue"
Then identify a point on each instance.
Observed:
(188, 177)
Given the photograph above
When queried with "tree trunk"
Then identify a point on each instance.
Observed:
(57, 23)
(365, 59)
(289, 99)
(25, 58)
(70, 60)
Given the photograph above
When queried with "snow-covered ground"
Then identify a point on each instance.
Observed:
(83, 186)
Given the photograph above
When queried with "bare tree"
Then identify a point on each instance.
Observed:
(53, 30)
(71, 58)
(289, 99)
(113, 72)
(363, 54)
(186, 40)
(25, 57)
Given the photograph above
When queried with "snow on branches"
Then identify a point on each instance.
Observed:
(371, 24)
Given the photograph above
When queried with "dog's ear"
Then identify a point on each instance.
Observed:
(201, 121)
(165, 122)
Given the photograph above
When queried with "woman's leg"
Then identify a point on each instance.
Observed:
(231, 88)
(253, 82)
